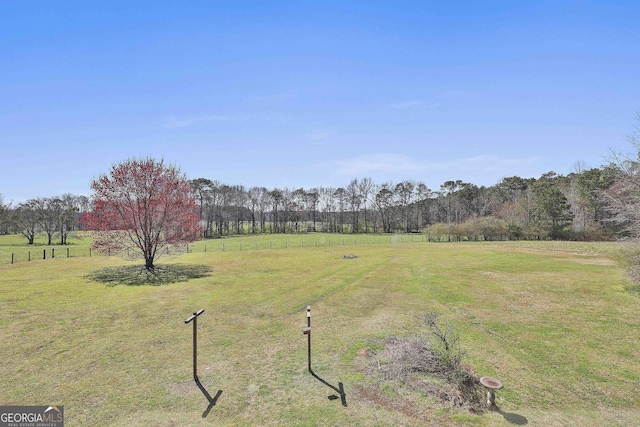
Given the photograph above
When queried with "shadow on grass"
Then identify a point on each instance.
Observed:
(514, 418)
(339, 389)
(634, 289)
(136, 275)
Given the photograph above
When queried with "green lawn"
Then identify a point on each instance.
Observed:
(551, 320)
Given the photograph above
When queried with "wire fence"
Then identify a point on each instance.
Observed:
(24, 255)
(20, 255)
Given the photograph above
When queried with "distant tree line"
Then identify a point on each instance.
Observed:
(588, 204)
(53, 216)
(550, 207)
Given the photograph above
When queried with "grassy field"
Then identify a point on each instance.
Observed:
(551, 320)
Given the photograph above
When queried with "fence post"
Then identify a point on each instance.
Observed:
(44, 254)
(53, 252)
(11, 257)
(67, 252)
(307, 331)
(29, 255)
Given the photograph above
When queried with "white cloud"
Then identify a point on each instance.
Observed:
(274, 97)
(412, 104)
(378, 162)
(180, 123)
(405, 105)
(480, 170)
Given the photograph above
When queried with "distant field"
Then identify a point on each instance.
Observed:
(15, 248)
(551, 320)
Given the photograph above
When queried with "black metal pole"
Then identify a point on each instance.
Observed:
(309, 337)
(194, 318)
(195, 347)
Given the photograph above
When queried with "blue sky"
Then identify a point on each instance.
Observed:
(313, 93)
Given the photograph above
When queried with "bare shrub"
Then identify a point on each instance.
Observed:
(629, 255)
(430, 363)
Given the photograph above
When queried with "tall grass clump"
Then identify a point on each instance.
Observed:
(629, 256)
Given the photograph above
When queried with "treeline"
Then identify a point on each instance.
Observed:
(54, 216)
(550, 207)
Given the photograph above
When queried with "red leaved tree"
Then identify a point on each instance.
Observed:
(142, 207)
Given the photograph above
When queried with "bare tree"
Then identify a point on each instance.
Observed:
(354, 199)
(66, 208)
(405, 196)
(311, 198)
(47, 213)
(26, 220)
(256, 199)
(201, 189)
(327, 202)
(341, 197)
(623, 198)
(423, 197)
(276, 197)
(5, 217)
(366, 188)
(384, 201)
(298, 204)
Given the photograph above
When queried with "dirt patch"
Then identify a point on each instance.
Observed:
(592, 261)
(184, 388)
(374, 395)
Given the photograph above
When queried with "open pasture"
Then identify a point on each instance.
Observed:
(551, 320)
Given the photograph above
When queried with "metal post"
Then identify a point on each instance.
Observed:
(307, 331)
(309, 336)
(195, 347)
(194, 318)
